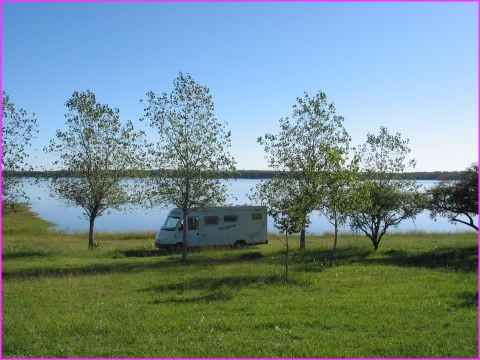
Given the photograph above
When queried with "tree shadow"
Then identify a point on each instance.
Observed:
(23, 254)
(144, 253)
(92, 269)
(468, 299)
(250, 255)
(213, 284)
(159, 252)
(213, 289)
(119, 266)
(211, 297)
(458, 259)
(448, 258)
(317, 261)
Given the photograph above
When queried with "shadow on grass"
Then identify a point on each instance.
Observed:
(121, 265)
(468, 299)
(144, 253)
(458, 259)
(23, 254)
(317, 261)
(214, 289)
(158, 252)
(92, 269)
(231, 282)
(211, 297)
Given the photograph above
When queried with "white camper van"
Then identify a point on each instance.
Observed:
(215, 226)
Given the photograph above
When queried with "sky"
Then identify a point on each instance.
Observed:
(411, 67)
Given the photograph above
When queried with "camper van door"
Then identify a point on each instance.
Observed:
(193, 233)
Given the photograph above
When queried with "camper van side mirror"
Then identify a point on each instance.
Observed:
(180, 228)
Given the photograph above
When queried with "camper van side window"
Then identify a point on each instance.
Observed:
(210, 220)
(230, 218)
(256, 216)
(193, 223)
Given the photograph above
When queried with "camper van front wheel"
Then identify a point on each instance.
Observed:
(240, 243)
(178, 247)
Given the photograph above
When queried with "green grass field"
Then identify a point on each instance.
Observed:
(415, 297)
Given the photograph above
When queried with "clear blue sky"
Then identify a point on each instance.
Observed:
(412, 67)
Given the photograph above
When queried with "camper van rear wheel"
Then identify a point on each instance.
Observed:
(240, 243)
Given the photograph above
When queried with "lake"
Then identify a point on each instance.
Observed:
(70, 218)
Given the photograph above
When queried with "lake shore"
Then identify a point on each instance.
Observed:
(140, 218)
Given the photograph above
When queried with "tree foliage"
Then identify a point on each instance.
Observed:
(280, 197)
(18, 131)
(456, 199)
(191, 143)
(299, 151)
(100, 151)
(386, 200)
(340, 191)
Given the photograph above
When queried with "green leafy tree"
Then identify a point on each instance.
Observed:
(100, 152)
(298, 151)
(192, 144)
(341, 193)
(279, 196)
(387, 200)
(456, 199)
(18, 131)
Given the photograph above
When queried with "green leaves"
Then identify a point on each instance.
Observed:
(385, 200)
(455, 200)
(191, 142)
(302, 154)
(340, 191)
(281, 196)
(18, 131)
(385, 154)
(100, 151)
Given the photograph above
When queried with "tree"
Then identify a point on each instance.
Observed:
(386, 200)
(192, 144)
(456, 199)
(298, 151)
(18, 130)
(340, 192)
(100, 153)
(278, 195)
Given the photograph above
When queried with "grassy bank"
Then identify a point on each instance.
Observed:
(415, 297)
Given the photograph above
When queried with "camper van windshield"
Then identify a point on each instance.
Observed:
(171, 223)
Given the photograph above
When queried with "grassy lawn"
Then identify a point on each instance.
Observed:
(415, 297)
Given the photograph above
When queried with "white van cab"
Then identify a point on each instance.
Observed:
(215, 226)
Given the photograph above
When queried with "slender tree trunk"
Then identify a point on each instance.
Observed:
(184, 237)
(332, 254)
(375, 230)
(375, 240)
(90, 233)
(302, 239)
(286, 256)
(185, 222)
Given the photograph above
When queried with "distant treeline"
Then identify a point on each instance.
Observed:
(239, 174)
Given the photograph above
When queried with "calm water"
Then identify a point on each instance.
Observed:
(70, 218)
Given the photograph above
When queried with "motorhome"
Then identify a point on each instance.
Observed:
(215, 226)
